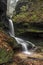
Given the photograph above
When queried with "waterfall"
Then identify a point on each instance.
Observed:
(11, 7)
(19, 40)
(11, 28)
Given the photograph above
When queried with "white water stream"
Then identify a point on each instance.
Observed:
(19, 40)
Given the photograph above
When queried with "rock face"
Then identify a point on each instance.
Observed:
(33, 28)
(3, 8)
(28, 20)
(6, 52)
(28, 17)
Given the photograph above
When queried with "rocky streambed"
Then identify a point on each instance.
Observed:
(22, 59)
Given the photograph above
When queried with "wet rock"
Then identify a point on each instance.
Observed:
(18, 47)
(38, 50)
(35, 29)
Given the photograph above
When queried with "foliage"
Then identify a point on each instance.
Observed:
(5, 56)
(6, 52)
(28, 11)
(28, 17)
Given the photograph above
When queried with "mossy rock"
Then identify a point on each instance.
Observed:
(39, 49)
(6, 52)
(10, 40)
(8, 46)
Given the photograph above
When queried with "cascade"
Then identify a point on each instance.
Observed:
(19, 40)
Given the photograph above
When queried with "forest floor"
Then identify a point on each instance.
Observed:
(23, 59)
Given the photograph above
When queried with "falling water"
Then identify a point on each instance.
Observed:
(19, 40)
(11, 28)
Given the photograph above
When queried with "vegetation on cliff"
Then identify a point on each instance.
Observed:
(28, 11)
(28, 16)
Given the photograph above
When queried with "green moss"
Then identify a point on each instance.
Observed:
(29, 11)
(5, 56)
